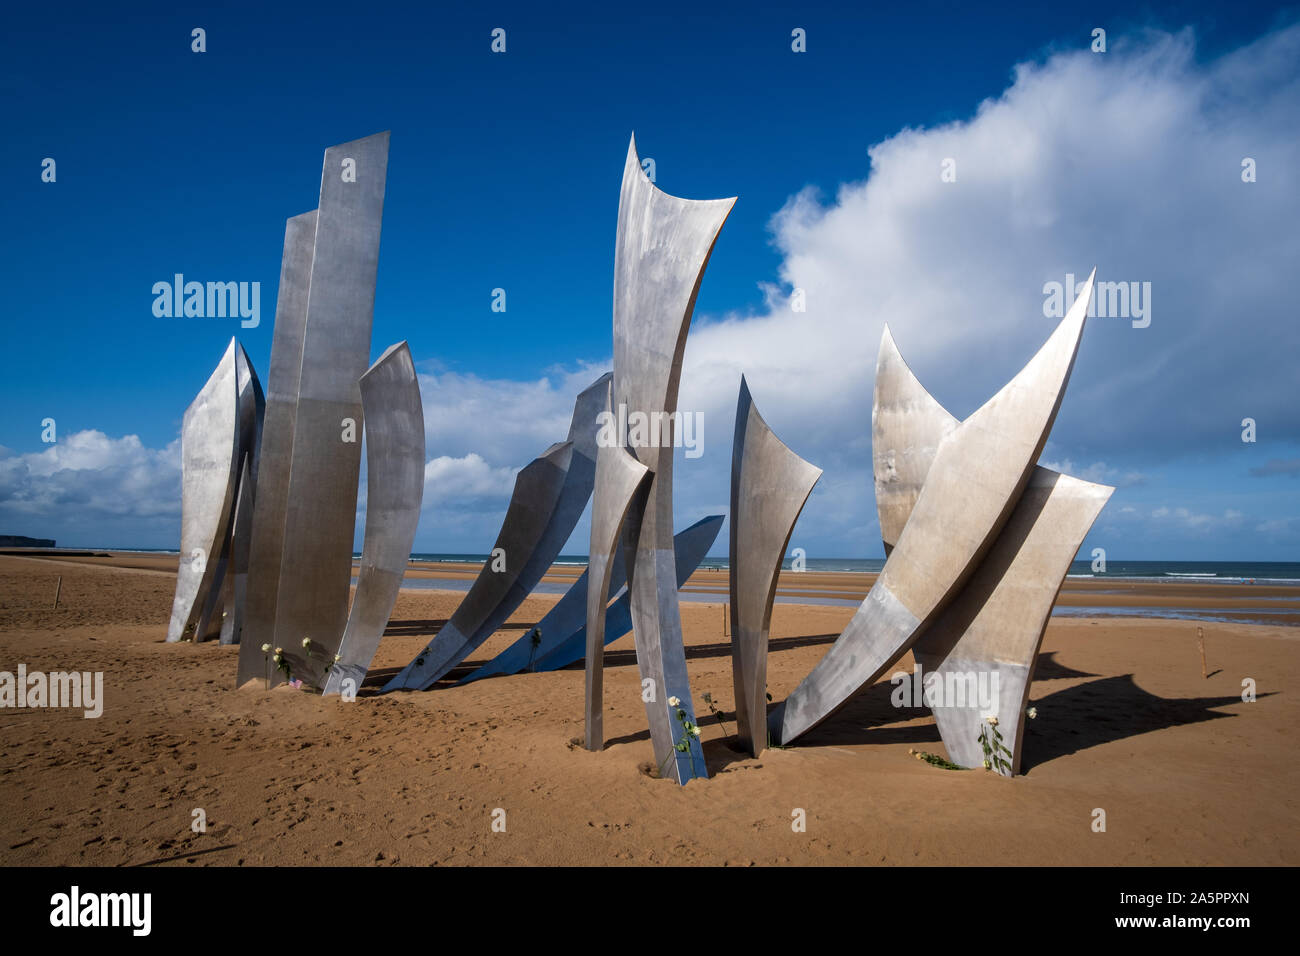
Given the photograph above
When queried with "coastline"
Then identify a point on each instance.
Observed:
(1172, 599)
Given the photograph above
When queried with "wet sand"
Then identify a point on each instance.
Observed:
(1282, 600)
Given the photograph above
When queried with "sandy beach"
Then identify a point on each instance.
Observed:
(1185, 770)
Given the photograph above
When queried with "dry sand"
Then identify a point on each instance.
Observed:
(1187, 773)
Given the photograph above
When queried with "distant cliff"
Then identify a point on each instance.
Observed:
(18, 541)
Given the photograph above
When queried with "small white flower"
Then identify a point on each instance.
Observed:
(266, 648)
(279, 651)
(673, 701)
(1031, 713)
(306, 642)
(695, 730)
(993, 721)
(337, 658)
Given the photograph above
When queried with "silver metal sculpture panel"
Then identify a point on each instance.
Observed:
(251, 409)
(325, 463)
(981, 650)
(276, 448)
(209, 444)
(390, 392)
(769, 486)
(537, 488)
(241, 522)
(218, 598)
(567, 617)
(555, 629)
(979, 471)
(549, 498)
(907, 426)
(992, 630)
(621, 480)
(213, 541)
(661, 250)
(690, 545)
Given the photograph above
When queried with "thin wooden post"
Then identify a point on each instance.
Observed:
(57, 588)
(1200, 639)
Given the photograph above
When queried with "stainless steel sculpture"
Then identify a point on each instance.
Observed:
(660, 253)
(979, 472)
(209, 479)
(621, 479)
(394, 414)
(985, 643)
(690, 545)
(276, 447)
(241, 522)
(325, 455)
(549, 497)
(560, 638)
(218, 444)
(537, 488)
(251, 408)
(769, 487)
(995, 625)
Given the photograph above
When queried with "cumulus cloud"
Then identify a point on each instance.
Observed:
(506, 422)
(98, 475)
(1099, 472)
(94, 488)
(1130, 161)
(464, 481)
(1178, 526)
(1115, 160)
(479, 433)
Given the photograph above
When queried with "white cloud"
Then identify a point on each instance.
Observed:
(462, 481)
(506, 422)
(1098, 472)
(90, 489)
(1129, 161)
(95, 475)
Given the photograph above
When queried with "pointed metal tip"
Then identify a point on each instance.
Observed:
(889, 353)
(1079, 310)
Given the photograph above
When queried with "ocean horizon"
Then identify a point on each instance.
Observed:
(1217, 572)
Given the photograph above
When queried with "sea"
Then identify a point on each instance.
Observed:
(1209, 572)
(1284, 611)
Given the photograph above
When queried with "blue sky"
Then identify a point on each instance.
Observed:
(504, 172)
